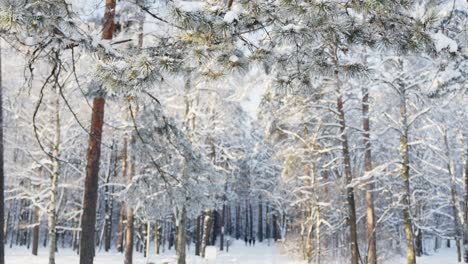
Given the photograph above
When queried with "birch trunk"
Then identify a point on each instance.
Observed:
(130, 217)
(206, 232)
(405, 175)
(54, 177)
(457, 219)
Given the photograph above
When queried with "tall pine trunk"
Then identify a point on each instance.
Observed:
(370, 215)
(88, 217)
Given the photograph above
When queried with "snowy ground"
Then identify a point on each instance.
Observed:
(238, 254)
(442, 256)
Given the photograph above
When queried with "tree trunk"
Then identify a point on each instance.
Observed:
(274, 223)
(88, 217)
(206, 232)
(223, 221)
(260, 219)
(251, 222)
(148, 240)
(457, 218)
(156, 237)
(2, 175)
(370, 215)
(405, 175)
(349, 178)
(37, 222)
(464, 150)
(181, 236)
(109, 201)
(238, 221)
(54, 177)
(5, 226)
(198, 235)
(122, 207)
(129, 237)
(130, 217)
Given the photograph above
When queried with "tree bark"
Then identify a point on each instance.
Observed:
(88, 217)
(198, 235)
(37, 222)
(370, 215)
(260, 219)
(54, 177)
(156, 237)
(223, 221)
(2, 172)
(349, 178)
(464, 150)
(206, 232)
(405, 175)
(181, 236)
(122, 207)
(130, 217)
(457, 218)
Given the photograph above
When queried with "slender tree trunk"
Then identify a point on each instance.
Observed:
(88, 217)
(274, 223)
(223, 220)
(148, 241)
(464, 151)
(206, 232)
(122, 207)
(5, 226)
(130, 217)
(181, 236)
(457, 218)
(260, 219)
(251, 222)
(370, 215)
(349, 178)
(109, 201)
(54, 178)
(129, 237)
(238, 221)
(198, 235)
(37, 222)
(405, 175)
(156, 237)
(2, 175)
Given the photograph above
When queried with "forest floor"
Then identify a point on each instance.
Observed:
(238, 254)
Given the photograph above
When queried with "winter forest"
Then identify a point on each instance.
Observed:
(234, 131)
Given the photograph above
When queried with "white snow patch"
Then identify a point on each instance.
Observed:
(442, 42)
(233, 58)
(230, 17)
(190, 7)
